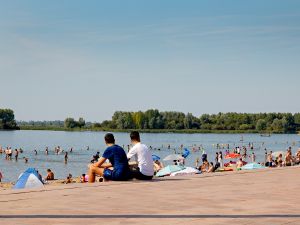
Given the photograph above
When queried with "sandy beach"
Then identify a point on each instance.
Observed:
(268, 196)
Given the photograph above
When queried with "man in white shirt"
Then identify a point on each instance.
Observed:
(145, 169)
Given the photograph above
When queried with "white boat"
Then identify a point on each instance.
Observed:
(265, 135)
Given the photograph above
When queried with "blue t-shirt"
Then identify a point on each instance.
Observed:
(117, 157)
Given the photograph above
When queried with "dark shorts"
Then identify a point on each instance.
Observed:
(109, 175)
(136, 173)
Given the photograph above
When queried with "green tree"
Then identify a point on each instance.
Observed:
(81, 122)
(154, 118)
(108, 124)
(261, 125)
(245, 127)
(123, 120)
(138, 119)
(188, 121)
(277, 125)
(297, 118)
(70, 123)
(7, 119)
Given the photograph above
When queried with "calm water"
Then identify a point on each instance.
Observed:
(78, 160)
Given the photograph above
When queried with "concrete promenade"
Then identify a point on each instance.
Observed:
(269, 196)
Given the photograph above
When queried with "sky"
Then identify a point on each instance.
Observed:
(91, 58)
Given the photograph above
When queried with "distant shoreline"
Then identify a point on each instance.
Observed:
(183, 131)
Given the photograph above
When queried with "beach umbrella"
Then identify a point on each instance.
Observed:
(186, 171)
(252, 166)
(173, 157)
(155, 157)
(166, 171)
(276, 154)
(185, 153)
(232, 156)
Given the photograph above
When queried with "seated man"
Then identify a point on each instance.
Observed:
(117, 169)
(145, 169)
(50, 175)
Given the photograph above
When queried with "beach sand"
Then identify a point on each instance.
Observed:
(9, 185)
(268, 196)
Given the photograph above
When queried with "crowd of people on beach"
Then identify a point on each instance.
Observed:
(239, 157)
(117, 164)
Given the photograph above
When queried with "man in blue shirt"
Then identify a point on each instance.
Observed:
(117, 169)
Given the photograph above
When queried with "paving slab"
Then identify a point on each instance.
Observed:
(269, 196)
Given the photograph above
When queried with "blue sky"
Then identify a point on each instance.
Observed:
(91, 58)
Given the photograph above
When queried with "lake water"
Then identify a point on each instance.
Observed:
(78, 160)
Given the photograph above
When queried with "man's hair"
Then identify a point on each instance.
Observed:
(135, 136)
(109, 138)
(48, 170)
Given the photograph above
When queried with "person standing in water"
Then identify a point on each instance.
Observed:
(16, 154)
(66, 157)
(9, 153)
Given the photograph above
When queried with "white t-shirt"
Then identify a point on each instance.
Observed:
(144, 158)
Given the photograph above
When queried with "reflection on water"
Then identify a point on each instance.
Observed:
(80, 157)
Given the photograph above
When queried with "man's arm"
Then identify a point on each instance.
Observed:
(101, 163)
(131, 152)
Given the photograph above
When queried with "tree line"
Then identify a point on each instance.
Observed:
(153, 119)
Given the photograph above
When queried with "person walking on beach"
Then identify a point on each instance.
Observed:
(40, 176)
(253, 157)
(220, 159)
(204, 156)
(1, 176)
(270, 159)
(117, 169)
(217, 164)
(145, 169)
(266, 155)
(217, 157)
(288, 158)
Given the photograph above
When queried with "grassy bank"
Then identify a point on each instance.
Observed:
(185, 131)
